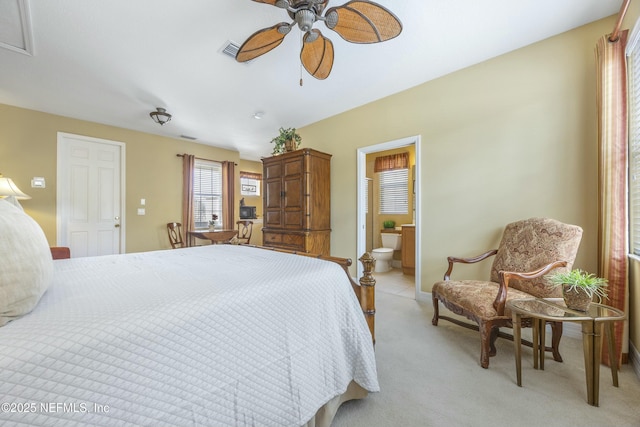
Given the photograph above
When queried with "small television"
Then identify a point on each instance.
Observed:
(248, 212)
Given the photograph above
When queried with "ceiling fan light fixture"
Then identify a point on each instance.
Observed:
(331, 19)
(311, 36)
(160, 116)
(305, 19)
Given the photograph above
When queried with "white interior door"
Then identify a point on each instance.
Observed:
(361, 168)
(90, 195)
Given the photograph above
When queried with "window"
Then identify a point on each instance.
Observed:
(633, 91)
(250, 183)
(207, 192)
(394, 191)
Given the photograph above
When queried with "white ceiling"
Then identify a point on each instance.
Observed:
(115, 61)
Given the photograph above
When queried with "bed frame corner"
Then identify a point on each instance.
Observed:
(367, 292)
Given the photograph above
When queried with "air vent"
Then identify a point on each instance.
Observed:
(192, 138)
(231, 49)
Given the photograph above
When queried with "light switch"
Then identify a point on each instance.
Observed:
(38, 182)
(141, 211)
(143, 202)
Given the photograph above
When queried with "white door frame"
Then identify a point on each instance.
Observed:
(362, 174)
(61, 164)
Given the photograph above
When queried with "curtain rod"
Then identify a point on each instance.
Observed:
(623, 10)
(208, 160)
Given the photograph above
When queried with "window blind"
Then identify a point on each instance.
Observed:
(207, 192)
(394, 191)
(633, 70)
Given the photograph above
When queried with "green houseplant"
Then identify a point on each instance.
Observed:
(389, 224)
(579, 287)
(287, 140)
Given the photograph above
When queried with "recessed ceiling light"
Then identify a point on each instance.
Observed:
(258, 115)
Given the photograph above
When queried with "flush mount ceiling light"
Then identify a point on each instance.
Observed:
(258, 115)
(160, 116)
(356, 21)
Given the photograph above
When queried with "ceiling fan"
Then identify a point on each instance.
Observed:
(358, 21)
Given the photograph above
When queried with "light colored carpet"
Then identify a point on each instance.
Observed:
(431, 376)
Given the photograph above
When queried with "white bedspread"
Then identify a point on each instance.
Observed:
(217, 335)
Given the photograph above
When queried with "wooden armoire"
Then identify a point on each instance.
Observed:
(297, 201)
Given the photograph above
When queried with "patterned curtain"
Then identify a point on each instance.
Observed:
(612, 145)
(391, 162)
(251, 175)
(188, 162)
(228, 194)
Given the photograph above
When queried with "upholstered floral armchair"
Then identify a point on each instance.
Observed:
(529, 249)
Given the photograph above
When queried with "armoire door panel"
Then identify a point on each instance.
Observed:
(272, 171)
(273, 194)
(293, 219)
(272, 218)
(293, 167)
(293, 196)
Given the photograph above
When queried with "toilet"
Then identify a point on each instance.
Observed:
(390, 242)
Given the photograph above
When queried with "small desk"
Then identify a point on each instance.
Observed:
(541, 310)
(217, 236)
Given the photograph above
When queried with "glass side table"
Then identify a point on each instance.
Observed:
(541, 310)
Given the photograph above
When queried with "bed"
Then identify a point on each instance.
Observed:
(219, 335)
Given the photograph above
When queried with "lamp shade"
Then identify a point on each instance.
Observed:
(9, 188)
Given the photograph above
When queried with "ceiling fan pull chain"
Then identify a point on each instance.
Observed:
(301, 42)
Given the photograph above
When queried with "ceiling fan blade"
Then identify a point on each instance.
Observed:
(271, 2)
(317, 54)
(363, 21)
(262, 42)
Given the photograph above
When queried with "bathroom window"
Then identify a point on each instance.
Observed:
(394, 191)
(250, 183)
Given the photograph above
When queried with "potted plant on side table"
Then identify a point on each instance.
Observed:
(287, 140)
(579, 287)
(213, 223)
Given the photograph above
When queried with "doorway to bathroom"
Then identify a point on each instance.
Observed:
(371, 223)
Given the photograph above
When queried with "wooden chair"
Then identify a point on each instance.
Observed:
(60, 252)
(529, 249)
(174, 230)
(245, 228)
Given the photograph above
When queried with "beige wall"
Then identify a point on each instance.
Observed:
(28, 141)
(256, 167)
(633, 14)
(511, 138)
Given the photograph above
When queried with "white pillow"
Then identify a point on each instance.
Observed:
(26, 265)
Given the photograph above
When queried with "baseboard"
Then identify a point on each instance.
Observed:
(424, 296)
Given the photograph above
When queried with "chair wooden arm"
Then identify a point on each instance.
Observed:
(60, 252)
(506, 276)
(475, 259)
